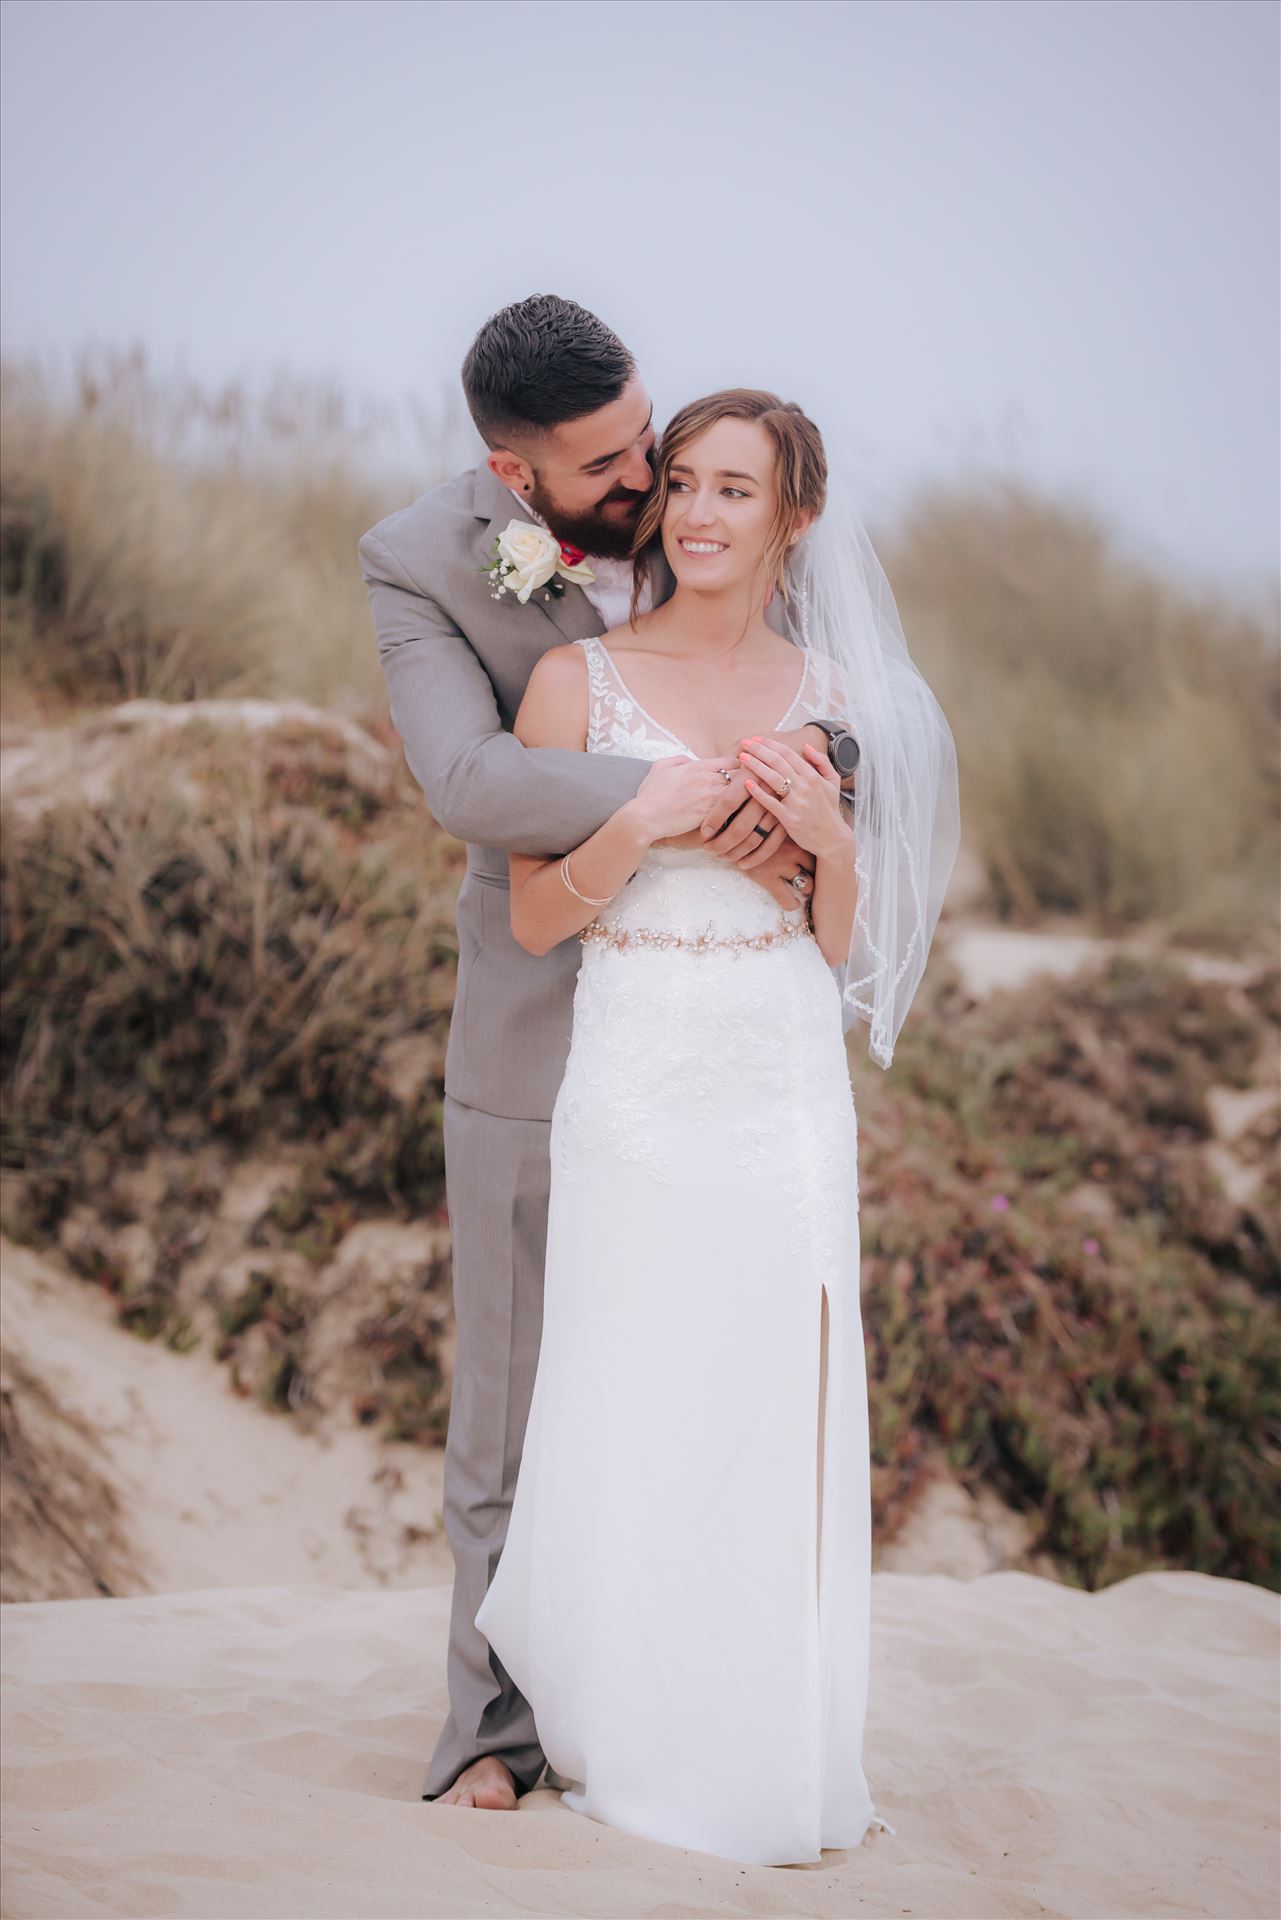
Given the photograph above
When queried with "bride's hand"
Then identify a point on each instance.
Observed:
(739, 828)
(803, 790)
(676, 795)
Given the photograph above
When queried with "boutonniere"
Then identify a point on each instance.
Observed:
(528, 556)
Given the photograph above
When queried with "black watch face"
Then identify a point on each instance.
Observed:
(845, 754)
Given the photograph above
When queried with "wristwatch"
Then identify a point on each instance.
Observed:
(842, 747)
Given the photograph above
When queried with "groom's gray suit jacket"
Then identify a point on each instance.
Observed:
(457, 663)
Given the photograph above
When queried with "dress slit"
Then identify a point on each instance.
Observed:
(824, 1347)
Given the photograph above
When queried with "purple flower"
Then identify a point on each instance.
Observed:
(1089, 1244)
(1000, 1203)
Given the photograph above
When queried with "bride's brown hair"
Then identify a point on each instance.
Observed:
(800, 472)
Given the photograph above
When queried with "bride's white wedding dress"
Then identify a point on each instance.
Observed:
(683, 1596)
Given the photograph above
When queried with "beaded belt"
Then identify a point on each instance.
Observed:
(621, 938)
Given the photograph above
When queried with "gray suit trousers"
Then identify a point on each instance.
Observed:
(498, 1174)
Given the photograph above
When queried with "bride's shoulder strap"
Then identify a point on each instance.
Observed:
(601, 689)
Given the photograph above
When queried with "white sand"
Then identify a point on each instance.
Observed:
(212, 1489)
(990, 957)
(258, 1751)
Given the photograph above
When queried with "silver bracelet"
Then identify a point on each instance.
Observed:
(584, 897)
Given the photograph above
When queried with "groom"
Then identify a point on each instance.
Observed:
(558, 400)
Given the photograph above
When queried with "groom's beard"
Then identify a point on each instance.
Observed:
(608, 535)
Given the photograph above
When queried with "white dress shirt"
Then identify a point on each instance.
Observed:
(611, 591)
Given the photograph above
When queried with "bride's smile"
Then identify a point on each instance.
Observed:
(719, 510)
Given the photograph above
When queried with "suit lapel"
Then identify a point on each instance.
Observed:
(571, 612)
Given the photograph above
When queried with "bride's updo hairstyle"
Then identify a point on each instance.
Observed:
(800, 472)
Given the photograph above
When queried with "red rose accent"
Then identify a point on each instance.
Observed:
(572, 556)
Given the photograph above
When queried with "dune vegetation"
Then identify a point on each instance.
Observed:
(163, 540)
(1117, 734)
(234, 937)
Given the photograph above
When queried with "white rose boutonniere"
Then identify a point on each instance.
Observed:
(527, 557)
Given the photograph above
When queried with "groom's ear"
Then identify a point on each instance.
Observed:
(511, 469)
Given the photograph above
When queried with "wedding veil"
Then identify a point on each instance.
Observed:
(906, 797)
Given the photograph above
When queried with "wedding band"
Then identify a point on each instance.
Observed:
(763, 831)
(786, 784)
(726, 775)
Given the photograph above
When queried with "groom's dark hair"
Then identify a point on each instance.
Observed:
(539, 362)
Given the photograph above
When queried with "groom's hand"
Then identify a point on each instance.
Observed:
(775, 869)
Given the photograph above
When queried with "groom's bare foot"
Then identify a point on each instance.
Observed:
(487, 1782)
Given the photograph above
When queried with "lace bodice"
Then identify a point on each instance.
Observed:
(681, 889)
(618, 723)
(743, 1043)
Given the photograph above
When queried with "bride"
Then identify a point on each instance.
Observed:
(683, 1596)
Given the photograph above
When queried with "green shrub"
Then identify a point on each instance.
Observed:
(1056, 1289)
(215, 951)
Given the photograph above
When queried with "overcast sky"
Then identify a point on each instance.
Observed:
(1029, 234)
